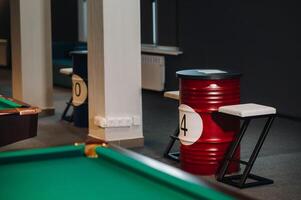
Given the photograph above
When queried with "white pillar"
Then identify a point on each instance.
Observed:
(114, 71)
(31, 52)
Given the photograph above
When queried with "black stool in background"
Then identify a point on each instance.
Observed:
(67, 72)
(173, 138)
(172, 155)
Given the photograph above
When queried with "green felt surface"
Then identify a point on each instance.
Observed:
(49, 175)
(7, 104)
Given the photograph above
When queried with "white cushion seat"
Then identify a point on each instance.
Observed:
(247, 110)
(172, 95)
(66, 71)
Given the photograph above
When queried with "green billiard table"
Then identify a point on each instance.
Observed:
(18, 120)
(71, 172)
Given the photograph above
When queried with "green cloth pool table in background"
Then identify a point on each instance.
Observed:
(18, 120)
(8, 104)
(67, 173)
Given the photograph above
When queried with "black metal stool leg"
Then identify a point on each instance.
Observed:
(71, 116)
(64, 117)
(255, 152)
(173, 138)
(230, 153)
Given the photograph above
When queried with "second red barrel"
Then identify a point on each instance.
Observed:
(205, 136)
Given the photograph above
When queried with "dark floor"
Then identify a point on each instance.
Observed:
(280, 158)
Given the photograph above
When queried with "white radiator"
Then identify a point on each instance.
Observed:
(153, 72)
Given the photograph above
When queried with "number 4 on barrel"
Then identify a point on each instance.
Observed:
(191, 125)
(183, 124)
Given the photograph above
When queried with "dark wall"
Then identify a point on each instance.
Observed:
(63, 16)
(256, 38)
(64, 20)
(167, 24)
(4, 19)
(146, 21)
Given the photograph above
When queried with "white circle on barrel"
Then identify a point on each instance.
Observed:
(79, 90)
(190, 125)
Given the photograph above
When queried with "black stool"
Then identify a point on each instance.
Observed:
(67, 72)
(172, 155)
(173, 138)
(246, 112)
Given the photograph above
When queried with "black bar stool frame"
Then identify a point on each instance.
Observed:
(173, 138)
(240, 180)
(64, 115)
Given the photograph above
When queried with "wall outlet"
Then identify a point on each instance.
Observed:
(111, 122)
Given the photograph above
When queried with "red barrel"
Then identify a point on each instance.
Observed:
(205, 136)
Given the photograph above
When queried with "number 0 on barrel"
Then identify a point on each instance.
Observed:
(80, 90)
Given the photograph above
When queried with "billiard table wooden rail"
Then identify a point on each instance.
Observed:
(24, 109)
